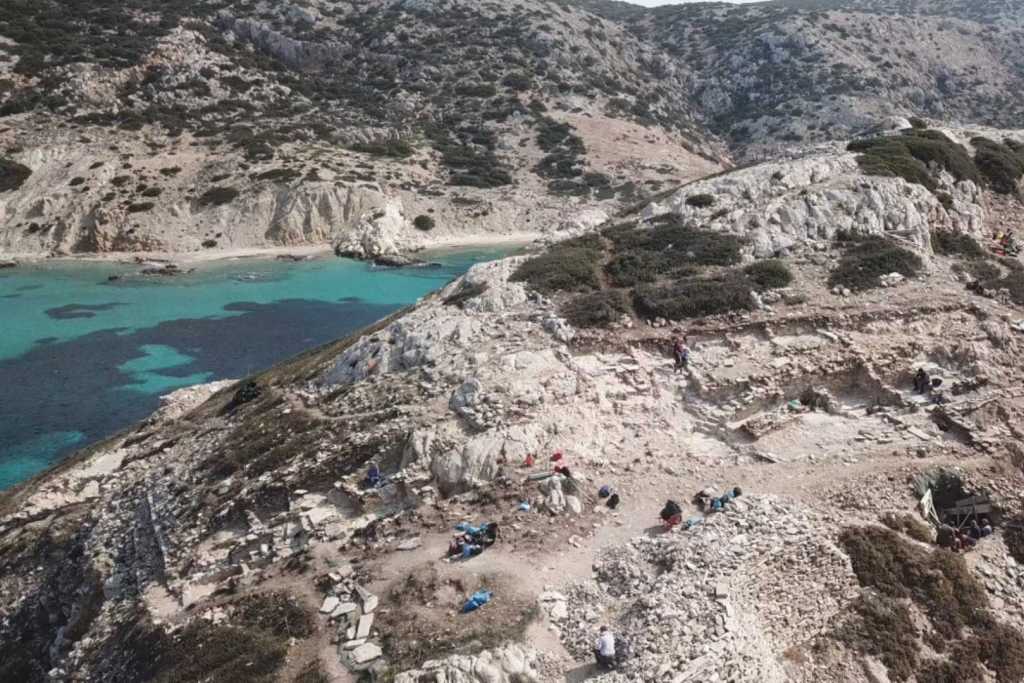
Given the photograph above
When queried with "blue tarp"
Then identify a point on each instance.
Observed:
(479, 599)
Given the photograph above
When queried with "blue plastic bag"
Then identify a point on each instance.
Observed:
(479, 599)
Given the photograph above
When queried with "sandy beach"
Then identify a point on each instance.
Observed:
(308, 251)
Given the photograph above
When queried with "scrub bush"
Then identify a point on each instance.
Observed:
(424, 222)
(1001, 165)
(868, 259)
(569, 266)
(12, 175)
(694, 298)
(701, 201)
(597, 309)
(769, 274)
(217, 196)
(948, 243)
(908, 155)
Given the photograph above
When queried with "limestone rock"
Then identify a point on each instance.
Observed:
(513, 663)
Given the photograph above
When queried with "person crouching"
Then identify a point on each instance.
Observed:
(604, 649)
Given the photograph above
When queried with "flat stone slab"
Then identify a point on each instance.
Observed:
(364, 626)
(329, 605)
(367, 599)
(343, 609)
(366, 653)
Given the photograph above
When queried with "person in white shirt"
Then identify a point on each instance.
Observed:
(604, 649)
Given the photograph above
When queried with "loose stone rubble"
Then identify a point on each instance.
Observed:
(718, 601)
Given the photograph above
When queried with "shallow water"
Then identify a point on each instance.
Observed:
(81, 356)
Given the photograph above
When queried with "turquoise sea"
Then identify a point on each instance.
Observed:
(82, 356)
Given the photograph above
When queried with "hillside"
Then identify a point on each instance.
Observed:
(773, 75)
(189, 125)
(386, 125)
(233, 535)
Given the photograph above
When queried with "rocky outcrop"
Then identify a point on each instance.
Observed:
(510, 664)
(807, 201)
(381, 232)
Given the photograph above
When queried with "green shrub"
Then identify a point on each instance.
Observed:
(209, 244)
(394, 148)
(948, 243)
(1001, 165)
(12, 175)
(918, 123)
(476, 90)
(221, 653)
(140, 207)
(424, 222)
(867, 260)
(769, 274)
(668, 236)
(152, 192)
(279, 175)
(937, 580)
(991, 278)
(217, 196)
(516, 81)
(700, 201)
(907, 156)
(75, 182)
(884, 628)
(694, 297)
(596, 309)
(981, 270)
(569, 266)
(467, 151)
(275, 613)
(666, 249)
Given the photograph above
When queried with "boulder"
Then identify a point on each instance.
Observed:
(378, 234)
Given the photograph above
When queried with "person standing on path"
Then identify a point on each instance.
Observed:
(681, 353)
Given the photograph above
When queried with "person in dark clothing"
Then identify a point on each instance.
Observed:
(671, 514)
(922, 383)
(373, 478)
(681, 353)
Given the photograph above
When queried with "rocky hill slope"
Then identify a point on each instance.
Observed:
(385, 125)
(233, 535)
(811, 70)
(191, 125)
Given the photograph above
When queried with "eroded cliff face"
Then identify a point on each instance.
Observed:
(86, 198)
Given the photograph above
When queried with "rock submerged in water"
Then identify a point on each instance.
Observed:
(8, 263)
(165, 270)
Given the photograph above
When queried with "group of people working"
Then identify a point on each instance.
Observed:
(963, 539)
